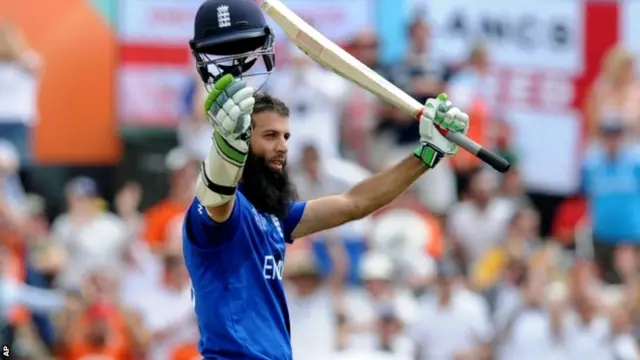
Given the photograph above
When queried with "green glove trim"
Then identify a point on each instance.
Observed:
(429, 155)
(218, 87)
(231, 153)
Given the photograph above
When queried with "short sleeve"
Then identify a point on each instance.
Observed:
(205, 233)
(296, 211)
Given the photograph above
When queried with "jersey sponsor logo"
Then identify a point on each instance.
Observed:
(273, 268)
(224, 17)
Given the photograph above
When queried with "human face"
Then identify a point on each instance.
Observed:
(269, 138)
(266, 183)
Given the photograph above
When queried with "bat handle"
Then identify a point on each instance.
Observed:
(496, 161)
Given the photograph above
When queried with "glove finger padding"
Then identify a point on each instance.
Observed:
(227, 105)
(439, 116)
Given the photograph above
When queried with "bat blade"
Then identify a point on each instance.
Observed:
(334, 58)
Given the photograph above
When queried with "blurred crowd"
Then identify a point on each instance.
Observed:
(463, 266)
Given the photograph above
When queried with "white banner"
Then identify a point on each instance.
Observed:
(536, 51)
(534, 34)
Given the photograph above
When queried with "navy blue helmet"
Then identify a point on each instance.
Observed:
(230, 36)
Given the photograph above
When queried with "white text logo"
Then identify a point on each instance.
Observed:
(272, 268)
(224, 18)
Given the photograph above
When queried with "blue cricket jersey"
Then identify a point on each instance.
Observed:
(236, 271)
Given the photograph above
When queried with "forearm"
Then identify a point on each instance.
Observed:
(380, 189)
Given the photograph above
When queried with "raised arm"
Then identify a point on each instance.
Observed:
(380, 189)
(228, 107)
(361, 200)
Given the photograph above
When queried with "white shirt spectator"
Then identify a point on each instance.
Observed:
(442, 332)
(313, 324)
(478, 230)
(140, 278)
(592, 341)
(96, 244)
(530, 338)
(19, 91)
(363, 309)
(171, 312)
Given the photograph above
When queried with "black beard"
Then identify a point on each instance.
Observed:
(269, 191)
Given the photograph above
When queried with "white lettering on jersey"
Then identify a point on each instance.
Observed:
(224, 17)
(276, 223)
(272, 269)
(260, 220)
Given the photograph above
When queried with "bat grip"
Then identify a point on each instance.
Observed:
(496, 161)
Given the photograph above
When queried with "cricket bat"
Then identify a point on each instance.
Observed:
(334, 58)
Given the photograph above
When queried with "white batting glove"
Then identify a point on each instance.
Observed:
(229, 106)
(438, 118)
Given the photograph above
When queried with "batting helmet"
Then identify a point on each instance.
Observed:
(231, 35)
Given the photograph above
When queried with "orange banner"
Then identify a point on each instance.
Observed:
(77, 123)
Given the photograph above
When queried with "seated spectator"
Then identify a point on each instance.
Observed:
(169, 330)
(530, 327)
(521, 243)
(453, 322)
(313, 308)
(183, 173)
(478, 223)
(378, 274)
(91, 237)
(100, 326)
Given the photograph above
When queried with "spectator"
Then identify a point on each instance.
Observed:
(316, 177)
(469, 87)
(454, 322)
(169, 330)
(12, 192)
(610, 177)
(19, 68)
(589, 334)
(512, 188)
(362, 305)
(91, 237)
(101, 326)
(531, 326)
(316, 98)
(420, 76)
(313, 309)
(521, 243)
(183, 173)
(479, 222)
(15, 293)
(411, 237)
(616, 93)
(127, 203)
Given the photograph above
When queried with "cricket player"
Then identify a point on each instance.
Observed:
(245, 210)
